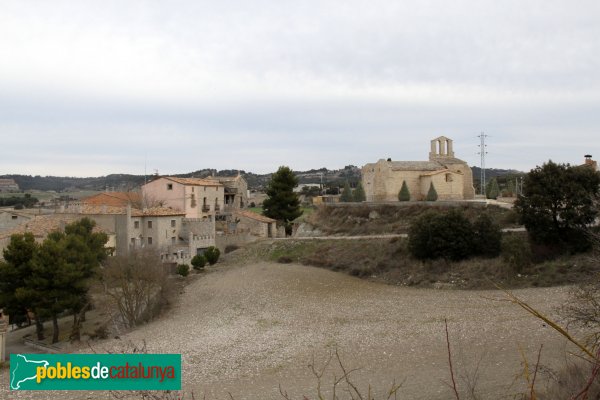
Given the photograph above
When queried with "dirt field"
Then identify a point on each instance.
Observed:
(247, 329)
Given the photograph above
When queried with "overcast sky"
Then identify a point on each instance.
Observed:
(96, 87)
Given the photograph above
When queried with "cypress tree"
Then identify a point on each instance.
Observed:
(346, 194)
(492, 191)
(404, 194)
(432, 193)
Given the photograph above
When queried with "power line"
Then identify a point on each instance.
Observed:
(482, 153)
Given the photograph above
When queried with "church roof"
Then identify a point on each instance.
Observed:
(416, 166)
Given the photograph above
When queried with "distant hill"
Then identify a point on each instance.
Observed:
(126, 182)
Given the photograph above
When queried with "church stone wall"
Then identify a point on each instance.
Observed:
(383, 180)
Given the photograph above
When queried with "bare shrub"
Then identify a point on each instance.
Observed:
(342, 386)
(576, 381)
(137, 285)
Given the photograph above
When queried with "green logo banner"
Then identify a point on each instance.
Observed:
(95, 371)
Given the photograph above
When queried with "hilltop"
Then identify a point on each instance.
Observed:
(126, 182)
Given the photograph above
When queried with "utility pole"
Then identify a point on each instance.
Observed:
(482, 153)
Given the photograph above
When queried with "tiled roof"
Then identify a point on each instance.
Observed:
(87, 209)
(253, 215)
(91, 209)
(193, 181)
(115, 199)
(416, 166)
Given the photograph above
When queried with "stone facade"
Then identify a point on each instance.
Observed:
(236, 191)
(451, 177)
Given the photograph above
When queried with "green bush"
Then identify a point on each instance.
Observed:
(437, 235)
(487, 240)
(212, 255)
(183, 269)
(198, 262)
(516, 252)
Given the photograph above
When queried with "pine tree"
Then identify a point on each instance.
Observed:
(346, 196)
(432, 193)
(13, 272)
(404, 194)
(282, 203)
(359, 193)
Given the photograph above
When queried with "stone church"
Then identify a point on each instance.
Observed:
(451, 177)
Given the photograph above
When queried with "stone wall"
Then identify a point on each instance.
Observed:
(237, 239)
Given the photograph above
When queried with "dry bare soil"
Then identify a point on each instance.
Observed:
(248, 329)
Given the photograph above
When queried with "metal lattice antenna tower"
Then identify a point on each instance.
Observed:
(482, 153)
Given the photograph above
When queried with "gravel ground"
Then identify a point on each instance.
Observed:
(247, 329)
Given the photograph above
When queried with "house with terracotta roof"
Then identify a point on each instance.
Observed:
(197, 198)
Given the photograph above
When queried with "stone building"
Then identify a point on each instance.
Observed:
(236, 191)
(257, 225)
(451, 177)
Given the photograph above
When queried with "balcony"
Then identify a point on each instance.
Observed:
(205, 208)
(217, 207)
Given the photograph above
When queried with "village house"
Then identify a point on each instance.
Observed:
(197, 198)
(451, 177)
(174, 236)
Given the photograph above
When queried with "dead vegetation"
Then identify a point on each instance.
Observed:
(134, 288)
